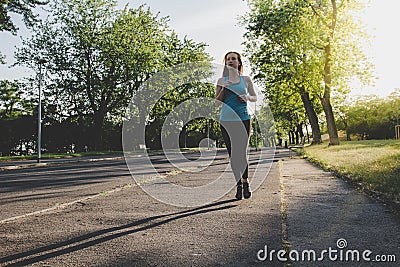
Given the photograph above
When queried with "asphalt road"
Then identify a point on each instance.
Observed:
(94, 214)
(28, 190)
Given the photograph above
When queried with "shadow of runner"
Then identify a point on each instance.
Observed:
(113, 234)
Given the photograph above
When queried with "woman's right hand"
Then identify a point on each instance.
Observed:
(219, 93)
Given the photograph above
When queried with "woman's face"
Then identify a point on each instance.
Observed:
(232, 61)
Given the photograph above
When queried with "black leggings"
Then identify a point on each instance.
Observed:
(236, 137)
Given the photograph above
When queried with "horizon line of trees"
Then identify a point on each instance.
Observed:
(370, 116)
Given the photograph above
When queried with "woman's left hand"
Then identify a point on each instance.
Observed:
(243, 98)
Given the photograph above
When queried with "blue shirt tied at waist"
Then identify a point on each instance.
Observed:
(232, 108)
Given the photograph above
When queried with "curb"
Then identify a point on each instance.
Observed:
(373, 195)
(67, 162)
(44, 164)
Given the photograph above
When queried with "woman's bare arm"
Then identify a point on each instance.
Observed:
(219, 91)
(252, 96)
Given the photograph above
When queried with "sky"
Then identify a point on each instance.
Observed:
(216, 23)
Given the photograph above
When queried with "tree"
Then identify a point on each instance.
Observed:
(337, 36)
(320, 39)
(99, 58)
(14, 99)
(17, 120)
(370, 117)
(281, 66)
(71, 39)
(10, 99)
(22, 7)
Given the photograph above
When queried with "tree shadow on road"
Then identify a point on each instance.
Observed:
(98, 237)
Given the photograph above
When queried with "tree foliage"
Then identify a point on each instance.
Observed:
(17, 120)
(22, 7)
(370, 116)
(307, 47)
(13, 101)
(98, 59)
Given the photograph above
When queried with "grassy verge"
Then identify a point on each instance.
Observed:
(372, 165)
(61, 155)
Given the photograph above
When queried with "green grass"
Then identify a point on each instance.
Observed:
(60, 155)
(372, 164)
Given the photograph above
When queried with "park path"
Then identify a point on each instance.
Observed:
(297, 207)
(324, 212)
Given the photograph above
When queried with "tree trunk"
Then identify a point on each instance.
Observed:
(300, 133)
(325, 100)
(330, 121)
(99, 131)
(297, 134)
(291, 137)
(346, 126)
(308, 135)
(312, 117)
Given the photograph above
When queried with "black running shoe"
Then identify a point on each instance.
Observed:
(239, 193)
(246, 190)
